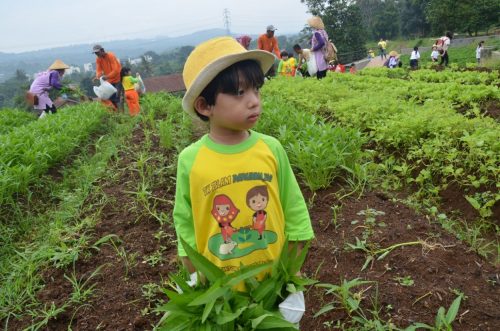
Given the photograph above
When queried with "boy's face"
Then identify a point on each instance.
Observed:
(235, 112)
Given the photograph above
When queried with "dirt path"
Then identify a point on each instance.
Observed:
(375, 62)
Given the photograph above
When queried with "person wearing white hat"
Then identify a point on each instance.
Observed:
(233, 171)
(268, 42)
(43, 83)
(108, 67)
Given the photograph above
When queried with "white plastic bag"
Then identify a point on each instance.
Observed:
(293, 307)
(193, 280)
(139, 86)
(312, 67)
(105, 90)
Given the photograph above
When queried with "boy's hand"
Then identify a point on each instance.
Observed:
(293, 307)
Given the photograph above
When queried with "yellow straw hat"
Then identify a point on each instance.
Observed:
(393, 53)
(316, 22)
(58, 64)
(211, 57)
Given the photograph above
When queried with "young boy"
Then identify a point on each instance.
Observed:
(237, 198)
(434, 54)
(287, 65)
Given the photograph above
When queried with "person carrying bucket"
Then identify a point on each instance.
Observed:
(108, 68)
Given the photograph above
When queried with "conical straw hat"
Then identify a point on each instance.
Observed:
(58, 64)
(316, 22)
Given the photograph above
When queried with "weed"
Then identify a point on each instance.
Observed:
(405, 281)
(82, 290)
(44, 315)
(444, 319)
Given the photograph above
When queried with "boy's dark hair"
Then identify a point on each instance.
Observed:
(124, 71)
(283, 53)
(228, 81)
(296, 47)
(415, 48)
(449, 34)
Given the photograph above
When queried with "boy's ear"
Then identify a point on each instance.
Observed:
(201, 106)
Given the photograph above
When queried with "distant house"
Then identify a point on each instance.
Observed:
(138, 61)
(72, 70)
(169, 83)
(88, 67)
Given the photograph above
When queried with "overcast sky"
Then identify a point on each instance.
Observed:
(32, 24)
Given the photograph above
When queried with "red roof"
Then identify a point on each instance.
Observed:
(169, 83)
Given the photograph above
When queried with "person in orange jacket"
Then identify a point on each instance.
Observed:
(268, 42)
(108, 67)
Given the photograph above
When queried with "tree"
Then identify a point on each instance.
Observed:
(146, 67)
(386, 22)
(413, 20)
(12, 91)
(467, 15)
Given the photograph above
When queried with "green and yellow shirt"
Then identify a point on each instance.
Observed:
(237, 203)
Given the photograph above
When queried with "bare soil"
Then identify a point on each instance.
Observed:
(439, 270)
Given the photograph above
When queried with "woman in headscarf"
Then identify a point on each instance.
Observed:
(244, 40)
(43, 83)
(318, 45)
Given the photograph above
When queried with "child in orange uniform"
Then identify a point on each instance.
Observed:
(131, 95)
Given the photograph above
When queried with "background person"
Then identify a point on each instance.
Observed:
(478, 52)
(382, 45)
(43, 83)
(318, 45)
(444, 44)
(131, 95)
(244, 40)
(434, 54)
(287, 65)
(108, 67)
(304, 56)
(393, 60)
(268, 42)
(352, 68)
(414, 57)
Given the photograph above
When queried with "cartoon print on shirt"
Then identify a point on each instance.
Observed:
(224, 211)
(257, 199)
(250, 233)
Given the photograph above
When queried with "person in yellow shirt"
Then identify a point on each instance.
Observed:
(131, 95)
(287, 65)
(382, 45)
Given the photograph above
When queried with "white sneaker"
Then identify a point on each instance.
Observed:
(42, 115)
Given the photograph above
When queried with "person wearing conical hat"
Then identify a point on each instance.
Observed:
(393, 59)
(43, 83)
(318, 45)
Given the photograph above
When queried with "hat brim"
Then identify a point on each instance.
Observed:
(265, 60)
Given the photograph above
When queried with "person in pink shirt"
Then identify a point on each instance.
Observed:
(43, 83)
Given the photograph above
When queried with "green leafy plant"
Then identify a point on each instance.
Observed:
(444, 319)
(405, 281)
(213, 304)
